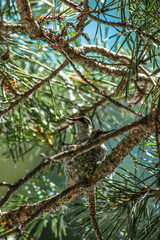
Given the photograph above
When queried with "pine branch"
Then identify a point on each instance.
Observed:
(146, 124)
(72, 52)
(142, 83)
(81, 24)
(77, 55)
(149, 193)
(27, 93)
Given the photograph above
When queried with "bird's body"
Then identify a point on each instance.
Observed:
(84, 165)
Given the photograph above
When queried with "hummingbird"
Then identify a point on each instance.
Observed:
(83, 166)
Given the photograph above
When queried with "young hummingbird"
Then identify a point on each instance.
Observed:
(84, 165)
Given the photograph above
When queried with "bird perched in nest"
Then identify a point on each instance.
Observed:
(84, 165)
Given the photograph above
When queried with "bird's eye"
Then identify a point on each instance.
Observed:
(83, 120)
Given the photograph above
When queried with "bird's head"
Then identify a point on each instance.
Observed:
(84, 127)
(83, 122)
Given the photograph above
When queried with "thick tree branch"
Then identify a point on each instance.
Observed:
(113, 56)
(34, 30)
(28, 21)
(124, 59)
(77, 55)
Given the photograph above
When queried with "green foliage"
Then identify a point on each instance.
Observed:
(126, 206)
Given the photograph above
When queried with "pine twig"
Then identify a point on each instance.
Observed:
(76, 54)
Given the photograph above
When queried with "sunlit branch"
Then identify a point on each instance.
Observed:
(77, 56)
(111, 56)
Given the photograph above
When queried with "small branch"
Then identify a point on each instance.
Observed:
(126, 199)
(97, 90)
(5, 184)
(13, 27)
(92, 213)
(30, 91)
(81, 24)
(105, 52)
(125, 25)
(149, 58)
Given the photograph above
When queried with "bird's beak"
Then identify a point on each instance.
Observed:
(70, 119)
